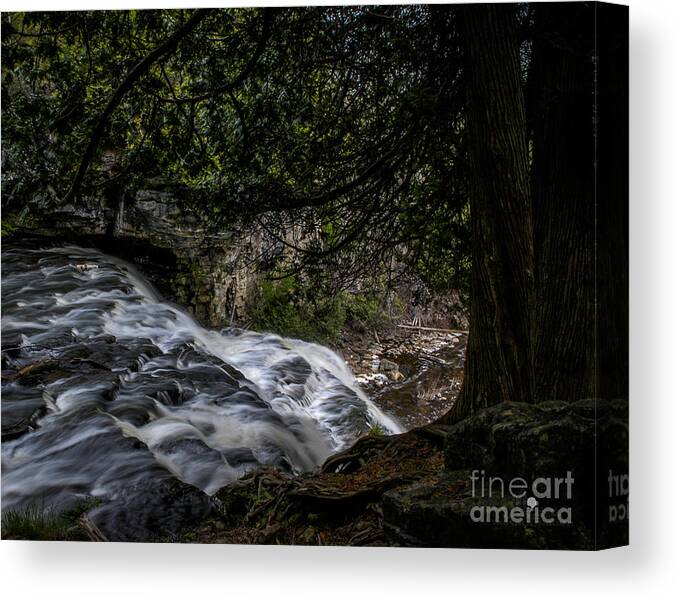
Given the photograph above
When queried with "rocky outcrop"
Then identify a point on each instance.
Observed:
(208, 273)
(439, 513)
(527, 476)
(512, 476)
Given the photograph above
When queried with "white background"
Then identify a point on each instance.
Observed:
(645, 570)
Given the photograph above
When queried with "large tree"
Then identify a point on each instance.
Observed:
(379, 129)
(499, 356)
(549, 281)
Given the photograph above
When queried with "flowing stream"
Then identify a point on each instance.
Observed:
(108, 390)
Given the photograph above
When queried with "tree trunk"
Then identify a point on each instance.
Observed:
(561, 334)
(612, 197)
(499, 356)
(579, 208)
(561, 106)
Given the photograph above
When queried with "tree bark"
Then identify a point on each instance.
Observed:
(612, 197)
(549, 304)
(561, 105)
(499, 356)
(579, 197)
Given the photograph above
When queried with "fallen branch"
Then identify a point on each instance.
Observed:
(459, 331)
(91, 530)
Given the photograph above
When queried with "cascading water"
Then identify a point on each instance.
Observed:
(111, 390)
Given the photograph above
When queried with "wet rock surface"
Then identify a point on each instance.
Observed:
(411, 489)
(416, 489)
(157, 513)
(112, 394)
(208, 273)
(415, 375)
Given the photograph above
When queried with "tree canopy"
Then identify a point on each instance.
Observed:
(458, 142)
(346, 119)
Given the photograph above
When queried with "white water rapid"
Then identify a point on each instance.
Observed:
(109, 390)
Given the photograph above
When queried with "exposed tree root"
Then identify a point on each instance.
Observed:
(341, 504)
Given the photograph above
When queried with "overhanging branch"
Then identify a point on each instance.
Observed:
(142, 67)
(231, 86)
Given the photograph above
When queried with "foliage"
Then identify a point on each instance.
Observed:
(376, 430)
(15, 221)
(346, 119)
(8, 227)
(438, 229)
(370, 310)
(34, 523)
(299, 308)
(289, 309)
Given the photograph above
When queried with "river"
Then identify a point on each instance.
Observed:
(108, 389)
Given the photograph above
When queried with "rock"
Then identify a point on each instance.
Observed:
(33, 373)
(438, 514)
(388, 365)
(309, 536)
(153, 512)
(151, 227)
(20, 415)
(515, 437)
(396, 376)
(267, 536)
(560, 444)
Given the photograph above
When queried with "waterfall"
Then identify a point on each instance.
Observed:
(111, 389)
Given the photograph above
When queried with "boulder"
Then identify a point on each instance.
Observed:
(154, 512)
(561, 459)
(438, 514)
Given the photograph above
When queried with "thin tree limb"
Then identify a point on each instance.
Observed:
(142, 67)
(242, 76)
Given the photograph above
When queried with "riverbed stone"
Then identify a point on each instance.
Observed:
(396, 376)
(156, 512)
(388, 365)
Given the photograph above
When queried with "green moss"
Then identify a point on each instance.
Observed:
(7, 228)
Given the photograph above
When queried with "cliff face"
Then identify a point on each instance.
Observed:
(212, 275)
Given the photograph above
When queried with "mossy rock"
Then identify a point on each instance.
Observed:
(588, 439)
(438, 514)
